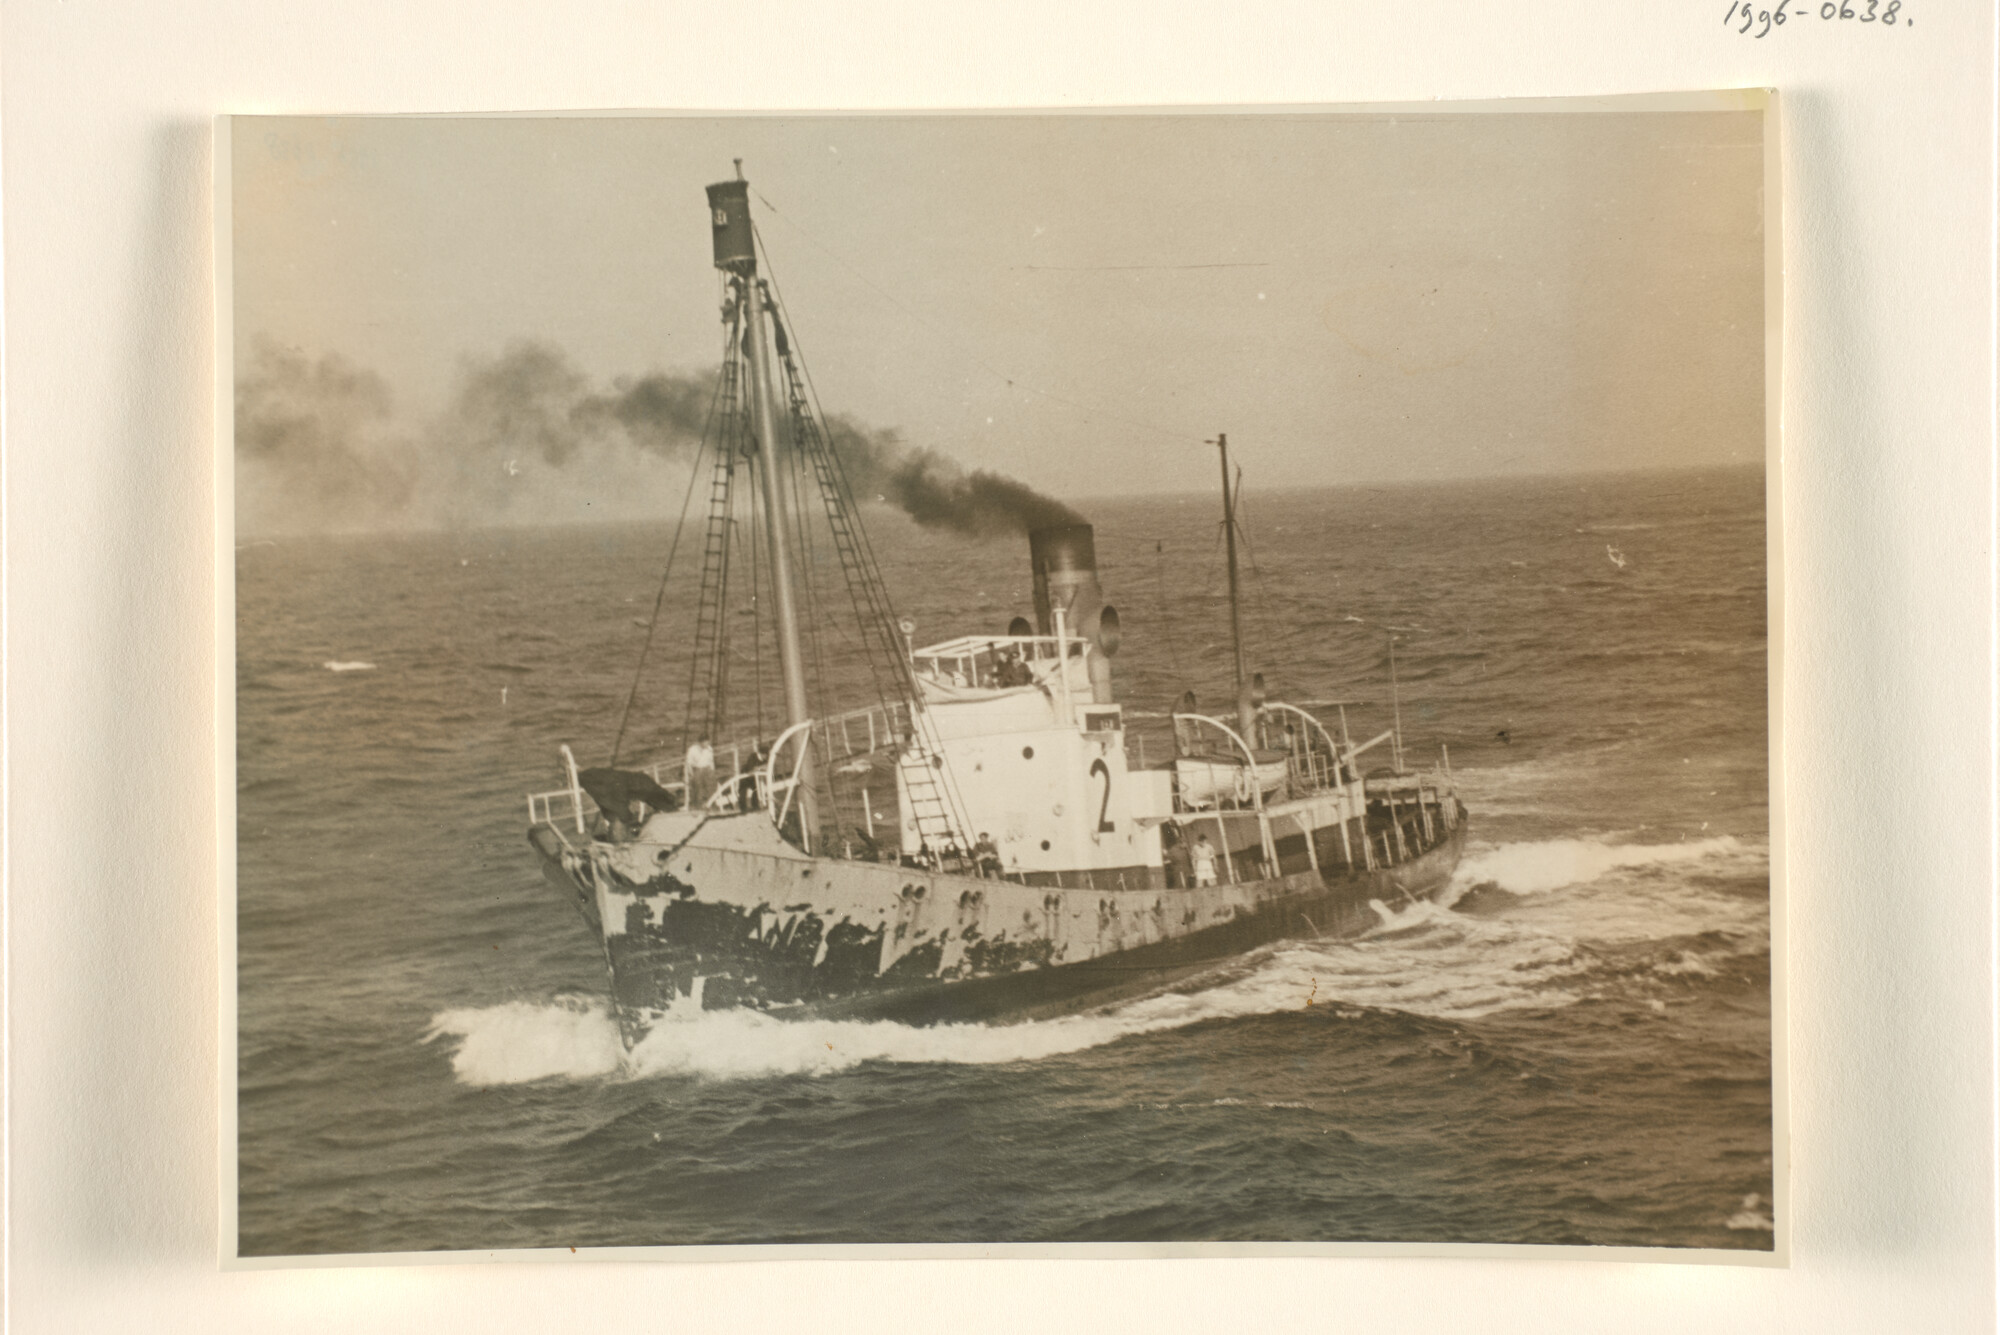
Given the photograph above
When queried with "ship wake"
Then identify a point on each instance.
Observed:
(1578, 919)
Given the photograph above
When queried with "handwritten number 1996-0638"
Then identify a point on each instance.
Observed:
(1745, 17)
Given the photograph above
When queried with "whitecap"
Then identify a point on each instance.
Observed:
(1420, 958)
(1552, 864)
(519, 1041)
(1449, 974)
(1749, 1220)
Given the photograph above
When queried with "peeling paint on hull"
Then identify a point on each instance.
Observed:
(718, 922)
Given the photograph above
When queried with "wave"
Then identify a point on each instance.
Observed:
(1749, 1219)
(1553, 864)
(519, 1041)
(1423, 959)
(341, 665)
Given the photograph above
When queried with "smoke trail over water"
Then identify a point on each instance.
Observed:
(933, 490)
(529, 437)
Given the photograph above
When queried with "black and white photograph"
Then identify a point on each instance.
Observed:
(1166, 677)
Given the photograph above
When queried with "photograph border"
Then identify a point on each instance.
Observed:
(1765, 100)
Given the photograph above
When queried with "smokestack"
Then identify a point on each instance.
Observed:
(1064, 558)
(1065, 564)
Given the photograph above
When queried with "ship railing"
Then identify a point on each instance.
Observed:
(875, 727)
(779, 794)
(1190, 726)
(1313, 768)
(1429, 805)
(572, 806)
(982, 661)
(558, 806)
(1191, 742)
(861, 731)
(1237, 860)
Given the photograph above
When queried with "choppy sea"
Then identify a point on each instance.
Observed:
(1574, 1046)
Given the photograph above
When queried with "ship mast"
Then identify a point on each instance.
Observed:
(1246, 710)
(736, 254)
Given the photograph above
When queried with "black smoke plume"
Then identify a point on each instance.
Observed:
(527, 436)
(319, 435)
(936, 492)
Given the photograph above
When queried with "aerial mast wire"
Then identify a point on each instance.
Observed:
(1396, 702)
(736, 251)
(1246, 711)
(659, 598)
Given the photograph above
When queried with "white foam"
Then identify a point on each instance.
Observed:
(1536, 868)
(1748, 1220)
(521, 1041)
(345, 665)
(1685, 963)
(1419, 959)
(1607, 893)
(1423, 961)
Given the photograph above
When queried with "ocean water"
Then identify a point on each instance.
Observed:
(1574, 1046)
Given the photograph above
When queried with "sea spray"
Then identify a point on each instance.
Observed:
(1439, 966)
(520, 1041)
(1535, 868)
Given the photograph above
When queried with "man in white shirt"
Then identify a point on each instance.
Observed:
(700, 772)
(1204, 861)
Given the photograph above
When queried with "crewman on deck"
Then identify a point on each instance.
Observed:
(700, 771)
(1204, 861)
(1187, 733)
(746, 783)
(986, 854)
(1180, 865)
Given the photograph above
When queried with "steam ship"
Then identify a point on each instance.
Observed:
(981, 839)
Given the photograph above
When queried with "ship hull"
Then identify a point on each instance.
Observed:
(735, 918)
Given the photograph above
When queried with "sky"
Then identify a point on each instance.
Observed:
(1077, 301)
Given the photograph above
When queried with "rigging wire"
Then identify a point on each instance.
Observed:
(708, 679)
(803, 554)
(814, 618)
(756, 588)
(817, 617)
(902, 674)
(1260, 608)
(659, 599)
(902, 670)
(1167, 612)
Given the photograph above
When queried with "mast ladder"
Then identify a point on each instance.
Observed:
(709, 679)
(864, 584)
(936, 809)
(931, 811)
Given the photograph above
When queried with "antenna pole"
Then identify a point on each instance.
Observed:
(1396, 701)
(1246, 712)
(735, 252)
(777, 529)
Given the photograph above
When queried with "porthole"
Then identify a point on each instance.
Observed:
(1045, 845)
(1027, 753)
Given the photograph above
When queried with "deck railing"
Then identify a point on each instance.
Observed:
(857, 732)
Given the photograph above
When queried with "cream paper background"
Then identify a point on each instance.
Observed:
(113, 1022)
